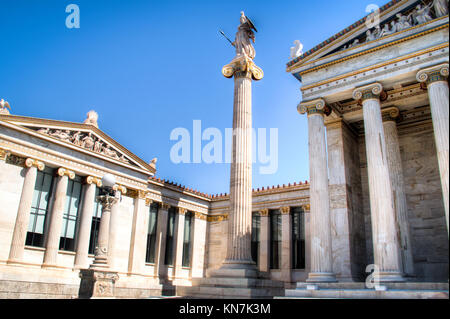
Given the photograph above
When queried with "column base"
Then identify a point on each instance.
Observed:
(236, 269)
(97, 284)
(317, 277)
(390, 277)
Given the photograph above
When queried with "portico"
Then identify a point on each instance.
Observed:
(380, 107)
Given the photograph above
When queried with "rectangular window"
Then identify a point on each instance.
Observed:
(187, 239)
(298, 238)
(71, 212)
(170, 236)
(39, 207)
(151, 234)
(275, 239)
(95, 225)
(256, 229)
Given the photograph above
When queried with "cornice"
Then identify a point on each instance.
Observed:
(374, 71)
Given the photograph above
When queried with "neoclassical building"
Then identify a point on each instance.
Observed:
(161, 234)
(376, 97)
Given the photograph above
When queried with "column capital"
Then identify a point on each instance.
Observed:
(164, 206)
(182, 211)
(31, 162)
(317, 106)
(141, 194)
(94, 180)
(120, 188)
(66, 172)
(433, 74)
(201, 216)
(148, 202)
(264, 212)
(3, 154)
(371, 91)
(390, 114)
(243, 67)
(285, 210)
(306, 208)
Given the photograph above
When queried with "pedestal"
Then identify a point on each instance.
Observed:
(96, 284)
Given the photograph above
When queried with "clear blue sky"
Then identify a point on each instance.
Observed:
(148, 67)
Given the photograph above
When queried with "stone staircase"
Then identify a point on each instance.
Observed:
(229, 287)
(357, 290)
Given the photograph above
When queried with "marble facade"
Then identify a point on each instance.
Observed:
(377, 110)
(384, 102)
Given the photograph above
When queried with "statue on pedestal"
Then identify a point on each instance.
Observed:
(245, 52)
(244, 38)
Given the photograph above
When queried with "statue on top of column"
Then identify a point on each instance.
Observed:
(244, 38)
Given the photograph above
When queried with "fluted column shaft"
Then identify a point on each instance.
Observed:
(139, 233)
(161, 233)
(320, 227)
(178, 264)
(56, 218)
(87, 211)
(286, 244)
(240, 223)
(438, 94)
(264, 242)
(398, 188)
(383, 216)
(23, 213)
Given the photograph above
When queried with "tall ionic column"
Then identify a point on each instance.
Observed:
(321, 249)
(264, 242)
(286, 244)
(87, 211)
(436, 79)
(56, 218)
(240, 221)
(179, 230)
(139, 231)
(390, 117)
(23, 213)
(161, 233)
(385, 239)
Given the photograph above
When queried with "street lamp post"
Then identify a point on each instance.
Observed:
(98, 281)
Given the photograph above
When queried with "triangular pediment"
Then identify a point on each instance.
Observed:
(394, 18)
(83, 137)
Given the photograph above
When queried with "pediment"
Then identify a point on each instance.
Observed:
(395, 18)
(84, 137)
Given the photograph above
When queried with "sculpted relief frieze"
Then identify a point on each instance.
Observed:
(85, 140)
(423, 12)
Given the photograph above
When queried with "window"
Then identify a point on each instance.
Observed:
(95, 225)
(170, 236)
(275, 239)
(256, 229)
(298, 238)
(151, 234)
(40, 207)
(71, 212)
(187, 239)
